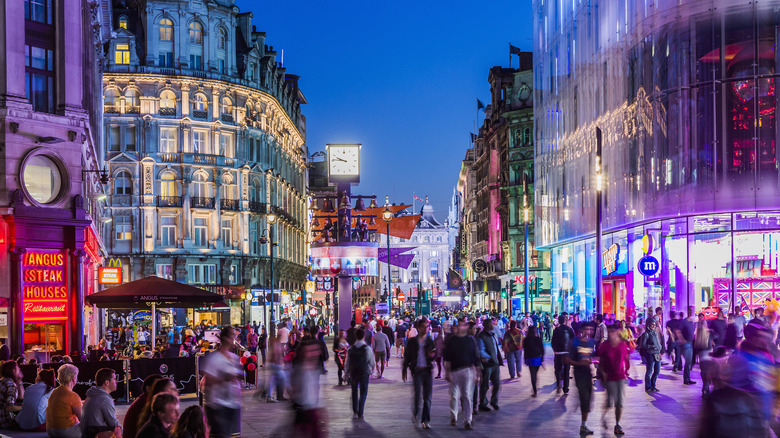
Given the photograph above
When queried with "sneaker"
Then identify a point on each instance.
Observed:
(618, 430)
(533, 395)
(354, 416)
(467, 426)
(585, 431)
(282, 399)
(474, 412)
(557, 389)
(565, 390)
(270, 400)
(415, 421)
(494, 406)
(690, 382)
(656, 390)
(453, 422)
(425, 425)
(484, 409)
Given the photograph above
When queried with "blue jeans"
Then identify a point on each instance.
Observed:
(423, 389)
(490, 376)
(652, 369)
(514, 360)
(687, 353)
(362, 385)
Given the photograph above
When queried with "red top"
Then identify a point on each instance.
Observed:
(614, 360)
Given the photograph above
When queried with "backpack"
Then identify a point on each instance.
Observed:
(560, 339)
(641, 343)
(358, 364)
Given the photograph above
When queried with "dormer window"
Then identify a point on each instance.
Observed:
(122, 54)
(123, 22)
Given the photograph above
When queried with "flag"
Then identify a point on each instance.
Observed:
(418, 198)
(473, 137)
(480, 105)
(513, 50)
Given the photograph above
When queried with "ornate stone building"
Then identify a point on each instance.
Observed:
(204, 138)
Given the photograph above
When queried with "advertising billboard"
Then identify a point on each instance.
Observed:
(351, 260)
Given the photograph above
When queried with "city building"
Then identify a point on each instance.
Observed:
(427, 270)
(51, 226)
(683, 95)
(204, 141)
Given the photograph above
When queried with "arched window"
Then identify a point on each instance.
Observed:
(221, 39)
(168, 184)
(200, 104)
(227, 106)
(200, 187)
(527, 138)
(110, 97)
(132, 99)
(254, 194)
(168, 100)
(196, 33)
(123, 184)
(227, 190)
(166, 30)
(434, 266)
(123, 21)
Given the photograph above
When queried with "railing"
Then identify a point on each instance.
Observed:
(257, 207)
(202, 202)
(204, 159)
(208, 159)
(229, 204)
(167, 111)
(121, 200)
(228, 118)
(169, 157)
(111, 109)
(169, 201)
(133, 110)
(198, 114)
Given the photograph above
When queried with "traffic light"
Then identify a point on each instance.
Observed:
(539, 285)
(303, 295)
(503, 293)
(512, 285)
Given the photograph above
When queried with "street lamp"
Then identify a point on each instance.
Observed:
(271, 218)
(387, 216)
(599, 184)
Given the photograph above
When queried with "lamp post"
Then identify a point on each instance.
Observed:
(387, 216)
(599, 262)
(270, 240)
(525, 246)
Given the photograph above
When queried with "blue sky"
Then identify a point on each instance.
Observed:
(402, 78)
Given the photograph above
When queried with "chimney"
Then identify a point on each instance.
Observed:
(245, 26)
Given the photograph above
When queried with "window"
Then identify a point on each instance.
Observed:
(111, 97)
(199, 142)
(196, 62)
(254, 194)
(114, 139)
(168, 231)
(165, 270)
(435, 253)
(227, 233)
(167, 99)
(42, 179)
(123, 21)
(200, 104)
(251, 71)
(434, 265)
(196, 33)
(123, 184)
(221, 67)
(202, 274)
(227, 190)
(226, 145)
(253, 242)
(168, 141)
(38, 10)
(221, 39)
(166, 30)
(124, 227)
(166, 59)
(200, 188)
(122, 54)
(227, 106)
(233, 277)
(39, 77)
(168, 184)
(200, 231)
(130, 138)
(132, 98)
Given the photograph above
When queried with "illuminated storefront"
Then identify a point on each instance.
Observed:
(687, 108)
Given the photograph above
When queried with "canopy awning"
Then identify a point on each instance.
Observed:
(141, 294)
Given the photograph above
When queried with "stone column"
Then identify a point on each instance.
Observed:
(76, 317)
(16, 317)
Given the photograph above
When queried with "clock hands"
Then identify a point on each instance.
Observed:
(339, 159)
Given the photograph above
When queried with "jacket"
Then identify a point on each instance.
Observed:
(98, 413)
(488, 348)
(411, 351)
(153, 429)
(649, 343)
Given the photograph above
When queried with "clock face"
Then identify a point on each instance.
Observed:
(524, 92)
(344, 160)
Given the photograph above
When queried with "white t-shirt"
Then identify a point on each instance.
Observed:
(228, 393)
(284, 335)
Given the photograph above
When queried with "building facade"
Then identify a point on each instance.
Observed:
(684, 95)
(50, 128)
(428, 270)
(204, 139)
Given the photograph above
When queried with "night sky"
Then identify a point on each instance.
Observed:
(402, 78)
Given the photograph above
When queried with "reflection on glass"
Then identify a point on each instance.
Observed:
(42, 179)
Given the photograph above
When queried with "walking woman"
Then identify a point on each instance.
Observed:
(533, 347)
(649, 347)
(340, 346)
(702, 347)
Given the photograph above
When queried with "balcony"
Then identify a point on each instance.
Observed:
(257, 207)
(227, 118)
(204, 159)
(167, 111)
(202, 202)
(208, 160)
(200, 114)
(111, 109)
(169, 201)
(229, 204)
(133, 110)
(169, 157)
(121, 200)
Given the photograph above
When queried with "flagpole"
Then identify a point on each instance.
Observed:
(510, 55)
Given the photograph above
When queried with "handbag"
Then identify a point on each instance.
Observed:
(657, 357)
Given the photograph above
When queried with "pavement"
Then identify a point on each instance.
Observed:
(672, 412)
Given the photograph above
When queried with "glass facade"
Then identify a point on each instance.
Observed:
(684, 94)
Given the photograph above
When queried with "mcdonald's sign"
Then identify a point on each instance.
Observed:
(111, 274)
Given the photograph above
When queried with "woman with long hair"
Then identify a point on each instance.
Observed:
(192, 424)
(340, 346)
(160, 386)
(32, 417)
(533, 347)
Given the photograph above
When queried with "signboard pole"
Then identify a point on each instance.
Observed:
(154, 324)
(599, 267)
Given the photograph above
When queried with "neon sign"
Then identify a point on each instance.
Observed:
(610, 258)
(44, 290)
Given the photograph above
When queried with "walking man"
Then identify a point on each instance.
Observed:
(580, 357)
(418, 357)
(359, 366)
(490, 353)
(684, 336)
(649, 346)
(513, 346)
(381, 345)
(613, 357)
(461, 362)
(560, 343)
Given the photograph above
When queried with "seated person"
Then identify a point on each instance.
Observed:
(32, 417)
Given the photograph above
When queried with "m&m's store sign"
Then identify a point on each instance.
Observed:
(44, 287)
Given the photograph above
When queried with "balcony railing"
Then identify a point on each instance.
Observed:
(169, 201)
(167, 111)
(229, 204)
(132, 110)
(227, 118)
(121, 200)
(257, 207)
(208, 159)
(202, 202)
(111, 109)
(204, 159)
(169, 157)
(198, 114)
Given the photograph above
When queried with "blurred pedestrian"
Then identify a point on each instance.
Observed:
(461, 362)
(223, 371)
(513, 347)
(418, 358)
(359, 366)
(580, 357)
(308, 420)
(533, 347)
(561, 340)
(614, 365)
(649, 346)
(11, 390)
